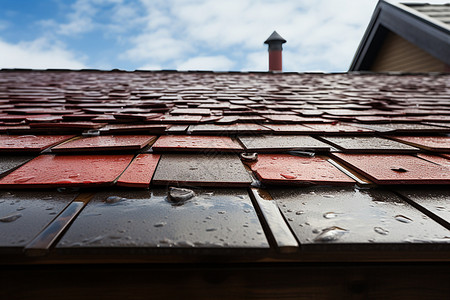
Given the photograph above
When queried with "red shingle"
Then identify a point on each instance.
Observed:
(72, 170)
(289, 169)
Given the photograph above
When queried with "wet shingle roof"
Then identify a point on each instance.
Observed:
(252, 164)
(439, 12)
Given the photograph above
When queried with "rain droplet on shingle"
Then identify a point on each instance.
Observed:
(330, 215)
(381, 230)
(399, 169)
(10, 218)
(114, 199)
(179, 195)
(160, 224)
(330, 234)
(403, 219)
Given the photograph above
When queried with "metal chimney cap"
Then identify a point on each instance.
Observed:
(275, 37)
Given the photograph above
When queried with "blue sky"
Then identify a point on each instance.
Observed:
(322, 35)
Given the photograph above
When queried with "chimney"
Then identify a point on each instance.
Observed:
(275, 42)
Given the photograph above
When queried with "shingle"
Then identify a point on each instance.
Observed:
(66, 171)
(30, 143)
(106, 143)
(201, 170)
(24, 213)
(228, 129)
(431, 143)
(369, 145)
(290, 128)
(290, 169)
(338, 128)
(68, 125)
(439, 160)
(140, 171)
(436, 202)
(188, 111)
(330, 215)
(10, 162)
(179, 143)
(211, 220)
(276, 143)
(396, 168)
(134, 128)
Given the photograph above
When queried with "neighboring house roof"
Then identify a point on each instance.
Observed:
(115, 166)
(423, 25)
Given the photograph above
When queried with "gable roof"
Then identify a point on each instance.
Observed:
(424, 25)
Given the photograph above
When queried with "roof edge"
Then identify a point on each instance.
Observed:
(381, 22)
(233, 72)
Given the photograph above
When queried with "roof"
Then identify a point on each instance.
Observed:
(437, 13)
(166, 166)
(424, 25)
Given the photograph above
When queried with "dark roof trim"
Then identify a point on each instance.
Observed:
(404, 21)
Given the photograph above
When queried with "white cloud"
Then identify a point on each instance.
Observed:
(180, 31)
(83, 17)
(218, 63)
(256, 61)
(157, 46)
(37, 54)
(80, 20)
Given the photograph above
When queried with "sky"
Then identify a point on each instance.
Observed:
(218, 35)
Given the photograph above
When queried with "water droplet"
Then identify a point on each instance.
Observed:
(316, 231)
(114, 199)
(74, 175)
(20, 208)
(328, 196)
(185, 244)
(330, 234)
(403, 219)
(160, 224)
(93, 240)
(299, 212)
(247, 211)
(440, 208)
(288, 176)
(211, 229)
(166, 241)
(330, 215)
(26, 136)
(221, 212)
(10, 218)
(179, 195)
(399, 169)
(381, 230)
(23, 179)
